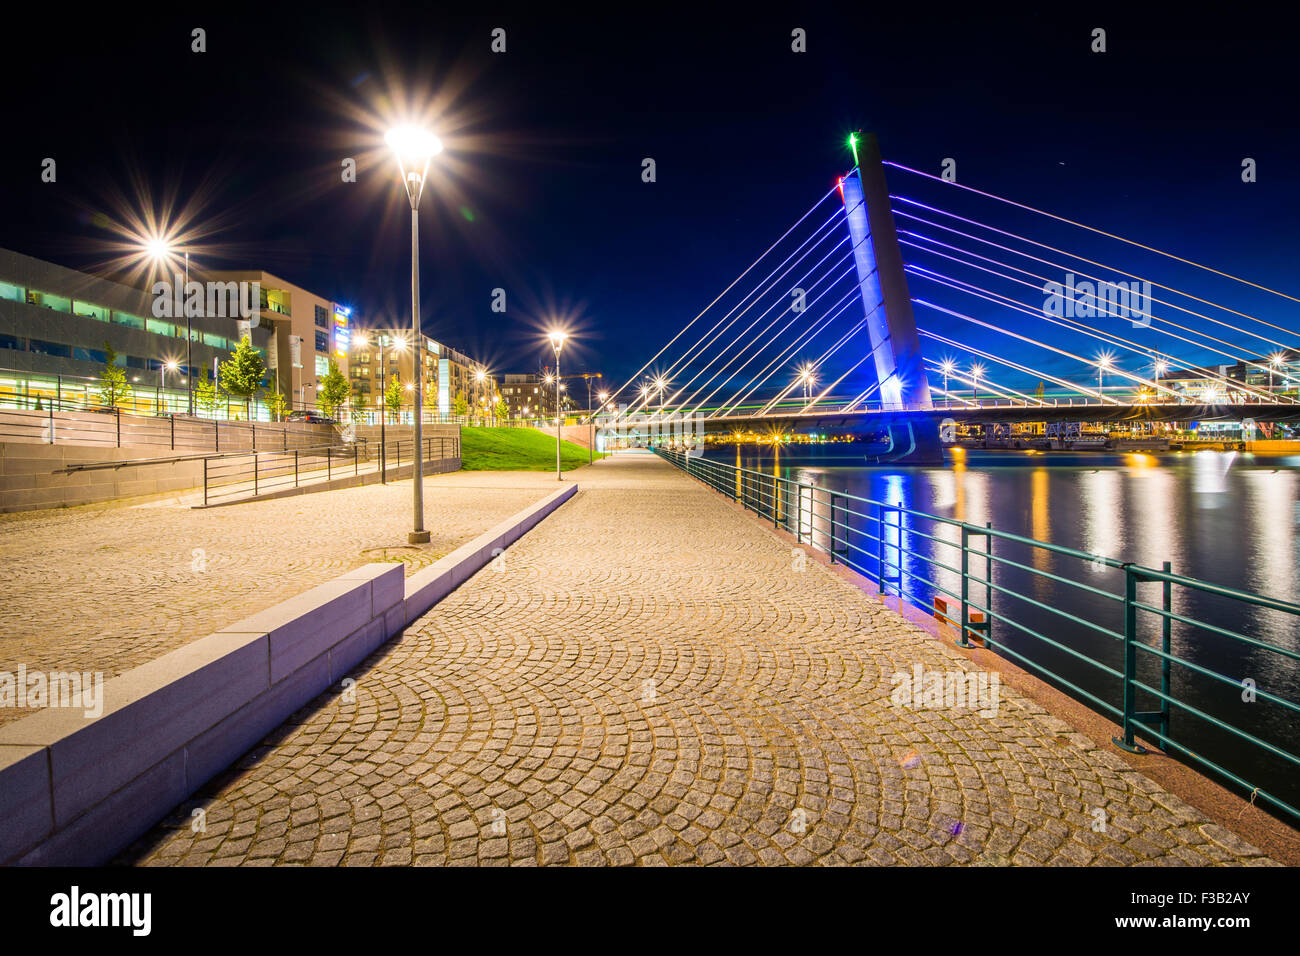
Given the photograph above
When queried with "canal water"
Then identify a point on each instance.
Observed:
(1228, 518)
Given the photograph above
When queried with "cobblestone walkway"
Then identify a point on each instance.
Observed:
(109, 587)
(650, 678)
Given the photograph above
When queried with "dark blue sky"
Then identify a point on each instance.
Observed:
(1145, 140)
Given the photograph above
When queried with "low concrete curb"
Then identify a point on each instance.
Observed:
(75, 790)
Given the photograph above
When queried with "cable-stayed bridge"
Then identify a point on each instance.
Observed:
(821, 331)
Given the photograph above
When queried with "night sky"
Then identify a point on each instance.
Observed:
(543, 194)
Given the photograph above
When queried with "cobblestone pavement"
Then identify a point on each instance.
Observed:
(109, 587)
(650, 678)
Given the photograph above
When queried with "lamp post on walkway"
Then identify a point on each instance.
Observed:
(414, 147)
(557, 342)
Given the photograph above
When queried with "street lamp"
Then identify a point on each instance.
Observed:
(1104, 363)
(1274, 363)
(414, 147)
(807, 378)
(948, 366)
(557, 342)
(976, 371)
(160, 249)
(362, 341)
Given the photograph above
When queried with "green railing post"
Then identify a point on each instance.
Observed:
(880, 549)
(1129, 693)
(1165, 634)
(988, 585)
(963, 639)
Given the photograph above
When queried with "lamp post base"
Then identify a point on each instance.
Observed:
(417, 537)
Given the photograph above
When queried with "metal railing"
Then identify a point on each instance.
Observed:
(1113, 650)
(239, 476)
(114, 427)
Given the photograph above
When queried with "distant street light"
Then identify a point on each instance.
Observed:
(414, 148)
(947, 367)
(557, 338)
(976, 371)
(1105, 362)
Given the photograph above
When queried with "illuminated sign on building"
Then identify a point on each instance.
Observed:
(342, 334)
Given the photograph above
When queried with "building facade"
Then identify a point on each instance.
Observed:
(528, 395)
(446, 373)
(57, 326)
(307, 332)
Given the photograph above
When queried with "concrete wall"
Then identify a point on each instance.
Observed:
(152, 436)
(27, 481)
(75, 790)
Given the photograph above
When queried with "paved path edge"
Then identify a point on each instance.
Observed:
(76, 789)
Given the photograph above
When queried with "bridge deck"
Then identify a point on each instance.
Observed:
(652, 678)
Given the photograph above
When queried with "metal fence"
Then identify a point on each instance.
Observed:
(233, 477)
(1131, 654)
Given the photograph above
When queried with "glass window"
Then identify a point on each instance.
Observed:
(88, 311)
(11, 342)
(89, 355)
(14, 293)
(214, 340)
(130, 321)
(322, 317)
(322, 341)
(134, 361)
(159, 327)
(322, 366)
(51, 348)
(49, 301)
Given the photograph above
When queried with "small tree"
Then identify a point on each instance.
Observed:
(277, 404)
(460, 407)
(114, 389)
(333, 390)
(242, 374)
(205, 397)
(502, 410)
(393, 395)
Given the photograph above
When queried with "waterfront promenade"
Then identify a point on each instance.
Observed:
(650, 676)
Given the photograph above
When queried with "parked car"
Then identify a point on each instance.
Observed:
(310, 417)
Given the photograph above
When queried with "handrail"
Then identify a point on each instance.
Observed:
(199, 456)
(877, 546)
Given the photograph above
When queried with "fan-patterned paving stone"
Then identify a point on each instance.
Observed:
(109, 587)
(648, 678)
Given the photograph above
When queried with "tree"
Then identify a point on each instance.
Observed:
(393, 395)
(277, 404)
(460, 407)
(205, 396)
(502, 410)
(358, 403)
(242, 374)
(333, 390)
(114, 389)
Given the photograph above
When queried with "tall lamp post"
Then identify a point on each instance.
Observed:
(976, 371)
(948, 367)
(557, 342)
(414, 147)
(160, 249)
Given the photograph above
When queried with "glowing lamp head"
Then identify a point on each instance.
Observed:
(1275, 359)
(557, 338)
(976, 371)
(948, 366)
(172, 366)
(480, 375)
(413, 145)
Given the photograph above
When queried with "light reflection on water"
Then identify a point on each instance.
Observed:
(1222, 517)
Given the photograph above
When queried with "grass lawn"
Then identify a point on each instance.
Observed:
(516, 449)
